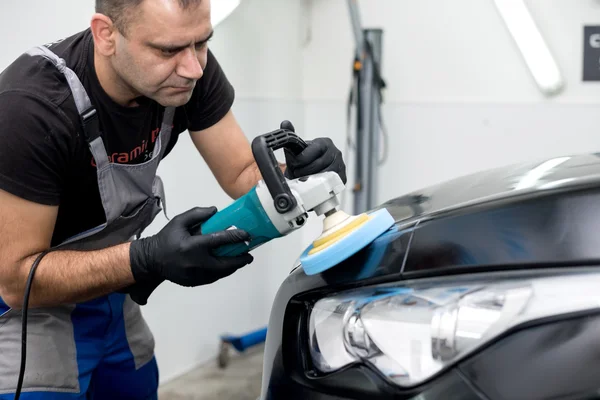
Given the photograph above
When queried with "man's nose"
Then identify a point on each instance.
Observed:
(189, 65)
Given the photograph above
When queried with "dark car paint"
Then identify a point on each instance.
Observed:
(557, 360)
(480, 222)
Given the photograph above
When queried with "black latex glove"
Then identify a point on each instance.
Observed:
(178, 255)
(141, 291)
(321, 155)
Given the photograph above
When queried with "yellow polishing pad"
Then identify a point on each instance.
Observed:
(339, 234)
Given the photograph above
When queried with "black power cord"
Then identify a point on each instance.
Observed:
(24, 321)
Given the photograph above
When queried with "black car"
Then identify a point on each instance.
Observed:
(487, 287)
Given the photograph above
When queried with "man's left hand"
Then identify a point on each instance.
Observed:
(321, 155)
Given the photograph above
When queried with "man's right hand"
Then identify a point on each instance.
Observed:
(180, 256)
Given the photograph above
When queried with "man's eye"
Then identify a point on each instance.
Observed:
(203, 45)
(168, 52)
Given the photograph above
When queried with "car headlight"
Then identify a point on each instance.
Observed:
(411, 332)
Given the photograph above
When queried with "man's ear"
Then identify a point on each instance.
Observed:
(104, 32)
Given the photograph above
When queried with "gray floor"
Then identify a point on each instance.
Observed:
(240, 380)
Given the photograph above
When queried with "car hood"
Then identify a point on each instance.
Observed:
(509, 183)
(541, 213)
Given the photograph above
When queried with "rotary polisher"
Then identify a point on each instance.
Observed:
(277, 206)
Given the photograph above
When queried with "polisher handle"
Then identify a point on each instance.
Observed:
(263, 148)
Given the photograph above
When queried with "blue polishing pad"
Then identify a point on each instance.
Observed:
(379, 222)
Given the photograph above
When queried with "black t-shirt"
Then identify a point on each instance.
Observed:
(44, 157)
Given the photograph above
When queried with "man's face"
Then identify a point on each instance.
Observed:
(165, 49)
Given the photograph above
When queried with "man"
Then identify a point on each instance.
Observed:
(84, 123)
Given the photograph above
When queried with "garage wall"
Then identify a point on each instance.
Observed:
(459, 96)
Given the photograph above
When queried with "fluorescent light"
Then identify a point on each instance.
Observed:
(533, 48)
(221, 9)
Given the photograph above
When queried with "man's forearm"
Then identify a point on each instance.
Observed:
(247, 179)
(65, 276)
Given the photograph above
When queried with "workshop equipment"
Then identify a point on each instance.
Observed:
(240, 343)
(370, 141)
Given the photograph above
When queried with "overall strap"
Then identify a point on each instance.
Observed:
(91, 125)
(167, 122)
(165, 131)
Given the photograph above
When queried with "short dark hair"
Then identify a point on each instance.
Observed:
(120, 11)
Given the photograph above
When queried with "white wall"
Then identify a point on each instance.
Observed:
(70, 16)
(447, 51)
(459, 97)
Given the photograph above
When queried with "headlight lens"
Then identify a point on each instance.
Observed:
(411, 332)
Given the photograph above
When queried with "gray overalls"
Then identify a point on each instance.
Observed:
(101, 349)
